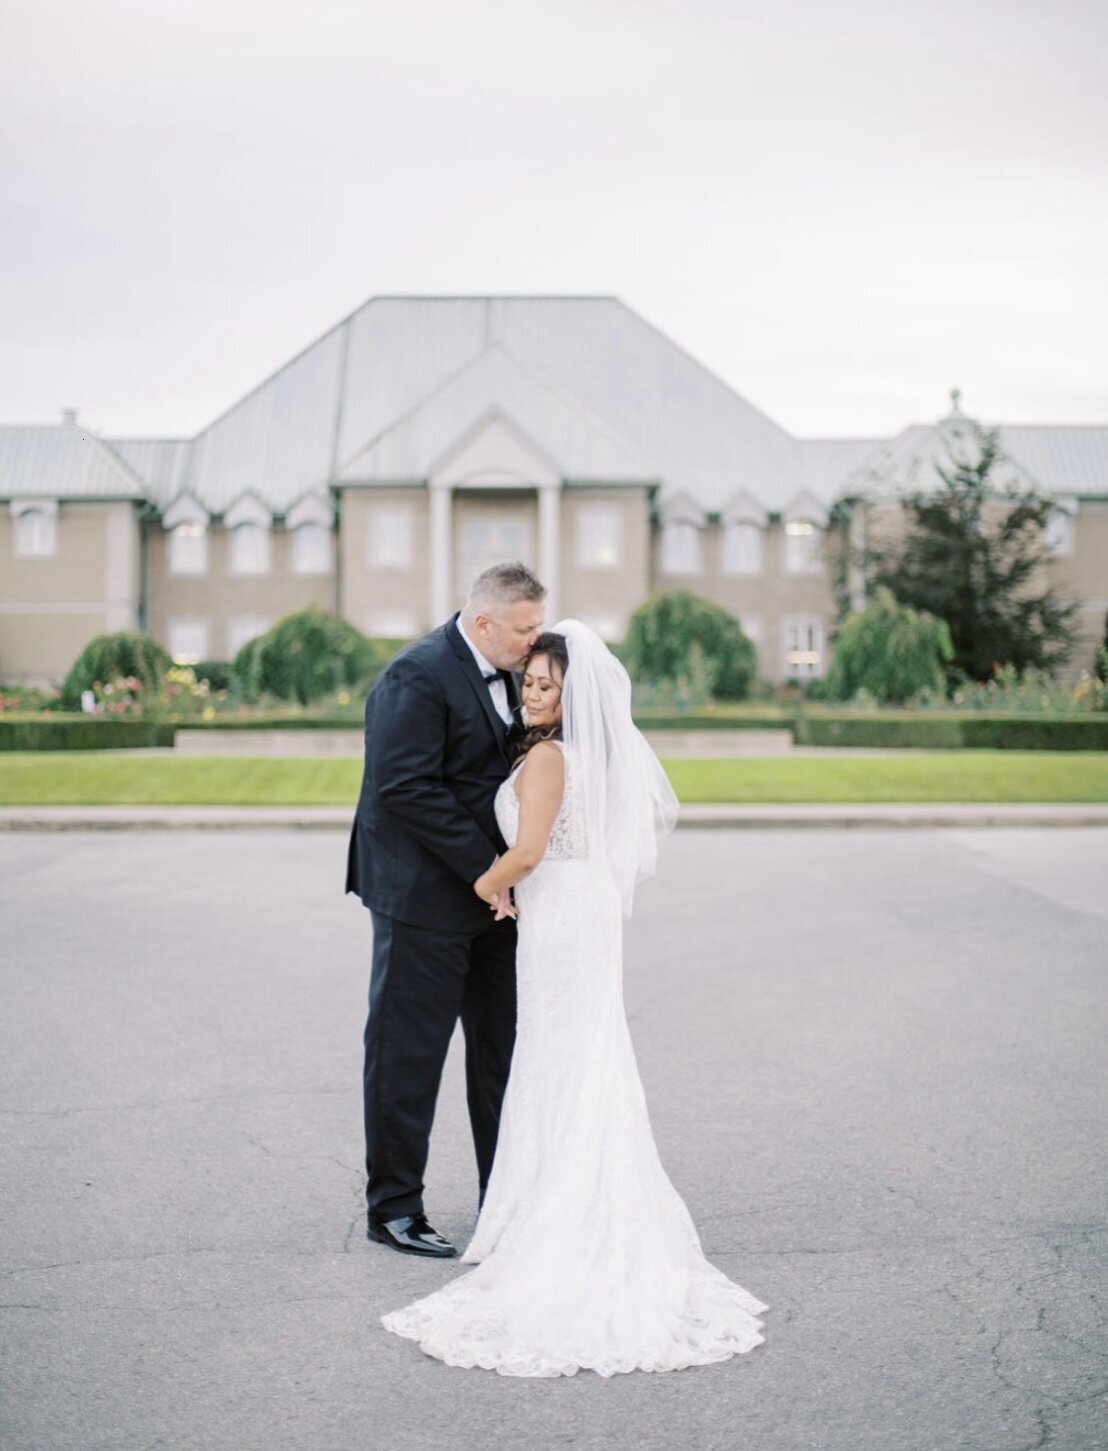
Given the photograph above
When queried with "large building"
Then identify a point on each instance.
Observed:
(424, 438)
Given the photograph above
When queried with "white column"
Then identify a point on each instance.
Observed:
(441, 597)
(550, 548)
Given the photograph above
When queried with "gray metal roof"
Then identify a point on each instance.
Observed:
(1065, 458)
(495, 384)
(63, 461)
(596, 387)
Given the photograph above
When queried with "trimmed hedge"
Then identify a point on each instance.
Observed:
(56, 733)
(694, 722)
(926, 730)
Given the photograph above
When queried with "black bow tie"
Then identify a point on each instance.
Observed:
(492, 675)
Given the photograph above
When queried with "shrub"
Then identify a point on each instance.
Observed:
(931, 730)
(679, 639)
(305, 656)
(216, 672)
(125, 657)
(889, 650)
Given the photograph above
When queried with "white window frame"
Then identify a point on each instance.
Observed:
(390, 536)
(1058, 533)
(36, 530)
(392, 624)
(801, 545)
(803, 647)
(599, 534)
(185, 560)
(490, 539)
(251, 548)
(742, 548)
(243, 628)
(682, 550)
(311, 548)
(189, 638)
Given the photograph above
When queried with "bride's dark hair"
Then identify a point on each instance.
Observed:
(554, 647)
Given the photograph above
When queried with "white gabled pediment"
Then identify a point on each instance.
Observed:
(744, 508)
(248, 509)
(682, 508)
(554, 432)
(185, 509)
(494, 454)
(805, 505)
(310, 509)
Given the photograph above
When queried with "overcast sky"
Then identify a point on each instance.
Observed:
(842, 208)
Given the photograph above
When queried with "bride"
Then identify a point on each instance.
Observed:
(586, 1256)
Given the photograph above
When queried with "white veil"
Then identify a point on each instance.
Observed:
(626, 797)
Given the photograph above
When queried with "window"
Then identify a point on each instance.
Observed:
(250, 549)
(1059, 532)
(803, 638)
(188, 639)
(241, 629)
(490, 541)
(608, 627)
(188, 549)
(390, 536)
(802, 547)
(36, 532)
(742, 549)
(311, 549)
(681, 549)
(598, 535)
(391, 624)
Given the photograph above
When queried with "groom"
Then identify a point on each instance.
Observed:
(438, 726)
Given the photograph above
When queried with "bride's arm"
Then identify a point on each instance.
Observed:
(541, 783)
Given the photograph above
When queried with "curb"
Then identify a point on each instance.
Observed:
(717, 817)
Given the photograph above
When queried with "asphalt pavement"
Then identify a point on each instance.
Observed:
(875, 1061)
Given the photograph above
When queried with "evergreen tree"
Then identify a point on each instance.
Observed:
(978, 568)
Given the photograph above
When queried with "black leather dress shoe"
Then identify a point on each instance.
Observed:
(411, 1235)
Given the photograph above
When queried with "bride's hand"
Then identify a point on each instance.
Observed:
(504, 905)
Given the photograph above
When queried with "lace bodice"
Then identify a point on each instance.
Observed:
(568, 840)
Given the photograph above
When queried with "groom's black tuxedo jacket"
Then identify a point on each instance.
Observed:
(435, 752)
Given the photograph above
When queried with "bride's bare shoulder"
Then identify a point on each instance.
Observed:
(543, 769)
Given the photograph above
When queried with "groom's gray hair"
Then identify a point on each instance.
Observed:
(503, 584)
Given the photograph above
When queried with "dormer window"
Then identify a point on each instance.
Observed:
(803, 540)
(682, 547)
(311, 549)
(741, 549)
(1058, 534)
(188, 548)
(250, 549)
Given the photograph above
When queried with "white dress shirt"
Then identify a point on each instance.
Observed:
(497, 688)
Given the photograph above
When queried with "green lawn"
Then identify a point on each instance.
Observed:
(83, 778)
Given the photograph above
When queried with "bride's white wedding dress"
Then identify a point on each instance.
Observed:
(587, 1257)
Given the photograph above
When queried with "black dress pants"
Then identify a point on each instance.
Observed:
(421, 983)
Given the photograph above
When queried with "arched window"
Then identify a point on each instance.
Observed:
(682, 548)
(188, 548)
(311, 549)
(36, 532)
(250, 549)
(803, 552)
(742, 548)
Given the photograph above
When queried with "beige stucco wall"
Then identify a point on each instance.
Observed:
(1083, 575)
(369, 593)
(51, 606)
(605, 595)
(218, 595)
(762, 602)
